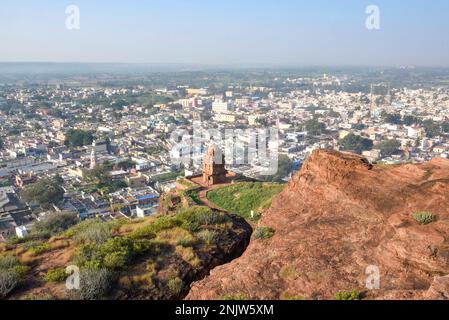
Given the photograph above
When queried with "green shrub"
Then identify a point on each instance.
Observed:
(32, 244)
(114, 254)
(176, 285)
(12, 264)
(115, 260)
(186, 243)
(150, 231)
(21, 271)
(11, 273)
(88, 256)
(424, 217)
(95, 284)
(190, 219)
(56, 275)
(40, 249)
(115, 225)
(141, 247)
(190, 226)
(55, 223)
(117, 252)
(208, 236)
(347, 295)
(194, 196)
(98, 232)
(83, 226)
(8, 262)
(201, 216)
(8, 282)
(263, 233)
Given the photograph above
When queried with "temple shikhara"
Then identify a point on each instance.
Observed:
(214, 174)
(214, 171)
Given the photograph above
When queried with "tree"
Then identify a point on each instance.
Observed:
(98, 176)
(394, 118)
(432, 128)
(126, 164)
(389, 147)
(78, 138)
(285, 167)
(102, 180)
(410, 120)
(356, 143)
(444, 127)
(46, 192)
(314, 127)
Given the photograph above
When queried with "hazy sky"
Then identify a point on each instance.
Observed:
(227, 32)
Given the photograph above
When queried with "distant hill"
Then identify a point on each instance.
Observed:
(86, 68)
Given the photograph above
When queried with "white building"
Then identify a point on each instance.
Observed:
(225, 117)
(220, 107)
(21, 232)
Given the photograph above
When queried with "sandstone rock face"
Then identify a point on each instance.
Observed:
(439, 290)
(337, 222)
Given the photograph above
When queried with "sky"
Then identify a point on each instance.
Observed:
(227, 32)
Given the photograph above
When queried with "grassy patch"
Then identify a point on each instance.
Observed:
(194, 196)
(188, 255)
(208, 236)
(40, 249)
(289, 296)
(187, 183)
(263, 233)
(176, 285)
(347, 295)
(243, 198)
(56, 275)
(167, 176)
(288, 272)
(177, 236)
(424, 218)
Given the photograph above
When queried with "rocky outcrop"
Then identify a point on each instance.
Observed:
(339, 220)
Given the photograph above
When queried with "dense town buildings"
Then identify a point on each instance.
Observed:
(112, 145)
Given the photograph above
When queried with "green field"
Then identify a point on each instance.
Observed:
(242, 198)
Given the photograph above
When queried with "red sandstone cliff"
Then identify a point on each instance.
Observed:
(335, 218)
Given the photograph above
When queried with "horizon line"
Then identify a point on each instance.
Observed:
(227, 65)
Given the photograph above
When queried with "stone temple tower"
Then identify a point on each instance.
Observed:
(213, 172)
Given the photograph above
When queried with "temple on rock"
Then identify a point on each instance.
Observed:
(214, 171)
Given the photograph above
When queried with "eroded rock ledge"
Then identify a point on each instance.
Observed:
(338, 216)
